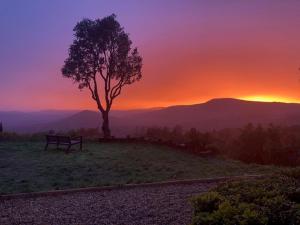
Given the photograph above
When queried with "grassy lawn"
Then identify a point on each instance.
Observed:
(26, 167)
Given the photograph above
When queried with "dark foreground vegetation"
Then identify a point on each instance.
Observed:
(251, 144)
(89, 134)
(26, 167)
(269, 201)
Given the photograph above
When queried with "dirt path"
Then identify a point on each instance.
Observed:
(164, 205)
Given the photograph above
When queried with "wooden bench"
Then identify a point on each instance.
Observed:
(63, 140)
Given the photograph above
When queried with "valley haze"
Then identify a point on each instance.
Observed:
(215, 114)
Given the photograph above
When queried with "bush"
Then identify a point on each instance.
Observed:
(268, 201)
(12, 136)
(194, 140)
(263, 145)
(251, 144)
(88, 134)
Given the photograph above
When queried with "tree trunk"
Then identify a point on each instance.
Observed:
(105, 125)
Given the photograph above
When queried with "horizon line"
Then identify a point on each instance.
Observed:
(249, 99)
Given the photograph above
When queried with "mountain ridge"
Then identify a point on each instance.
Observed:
(214, 114)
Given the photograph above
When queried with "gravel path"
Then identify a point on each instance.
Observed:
(164, 205)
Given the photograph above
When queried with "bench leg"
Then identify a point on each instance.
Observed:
(46, 147)
(68, 149)
(81, 146)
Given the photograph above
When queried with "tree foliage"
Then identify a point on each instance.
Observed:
(102, 51)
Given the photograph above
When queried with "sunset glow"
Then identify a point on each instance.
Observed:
(270, 99)
(193, 51)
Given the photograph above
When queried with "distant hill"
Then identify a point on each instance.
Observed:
(214, 114)
(222, 113)
(82, 119)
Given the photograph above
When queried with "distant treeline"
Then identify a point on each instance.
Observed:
(252, 143)
(91, 134)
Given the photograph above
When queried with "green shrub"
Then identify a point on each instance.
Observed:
(268, 201)
(207, 203)
(292, 173)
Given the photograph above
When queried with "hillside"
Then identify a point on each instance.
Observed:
(222, 113)
(214, 114)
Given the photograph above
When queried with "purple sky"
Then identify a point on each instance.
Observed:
(193, 50)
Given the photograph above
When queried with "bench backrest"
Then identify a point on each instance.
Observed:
(51, 138)
(64, 139)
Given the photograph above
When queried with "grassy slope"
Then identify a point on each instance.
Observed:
(25, 167)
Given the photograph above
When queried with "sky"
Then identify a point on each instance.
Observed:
(193, 51)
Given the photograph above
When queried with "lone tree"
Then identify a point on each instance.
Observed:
(102, 59)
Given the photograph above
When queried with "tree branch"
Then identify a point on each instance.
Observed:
(91, 90)
(114, 88)
(117, 92)
(100, 107)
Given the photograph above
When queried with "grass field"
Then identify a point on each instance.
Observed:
(26, 167)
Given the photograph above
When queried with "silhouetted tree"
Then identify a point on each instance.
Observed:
(101, 51)
(1, 127)
(177, 135)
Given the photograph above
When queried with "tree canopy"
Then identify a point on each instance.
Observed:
(102, 51)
